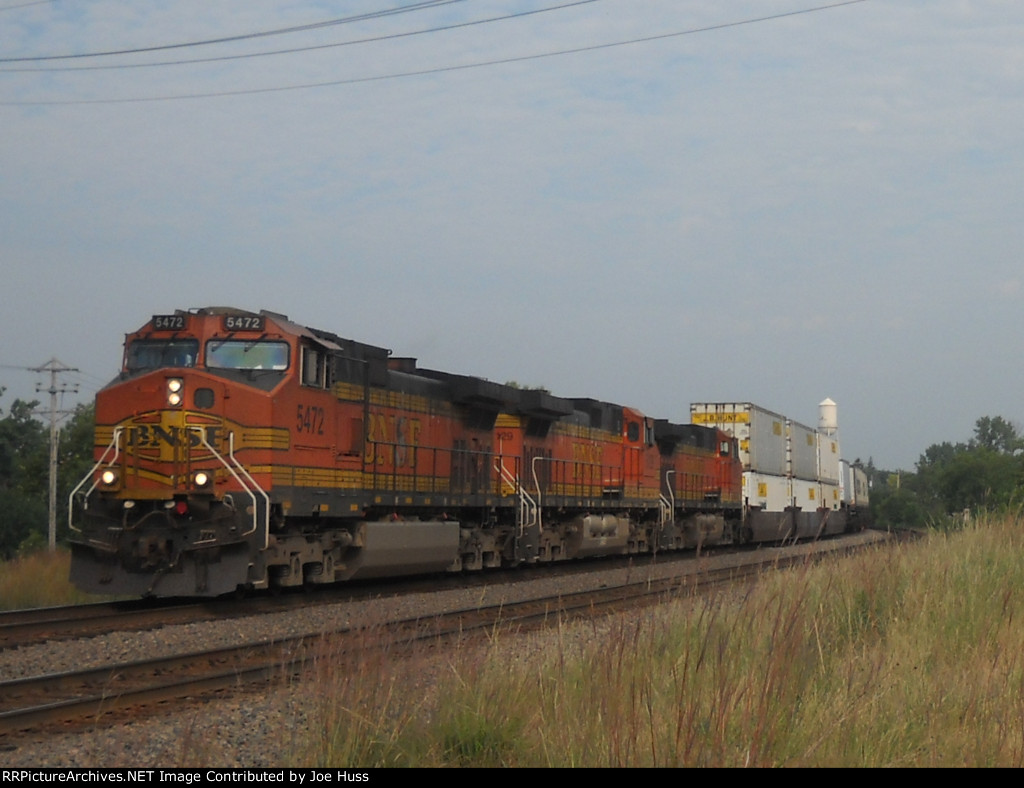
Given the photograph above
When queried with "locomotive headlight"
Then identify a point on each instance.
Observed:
(109, 477)
(201, 479)
(174, 391)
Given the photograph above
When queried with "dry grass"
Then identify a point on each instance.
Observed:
(900, 657)
(39, 580)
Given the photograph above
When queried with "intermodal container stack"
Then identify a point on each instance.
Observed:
(791, 472)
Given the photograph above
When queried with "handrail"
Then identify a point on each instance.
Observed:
(528, 508)
(536, 483)
(669, 503)
(114, 444)
(201, 431)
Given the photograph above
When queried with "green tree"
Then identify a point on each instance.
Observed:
(987, 472)
(75, 458)
(939, 454)
(21, 517)
(21, 438)
(23, 480)
(897, 507)
(979, 478)
(984, 473)
(996, 434)
(25, 469)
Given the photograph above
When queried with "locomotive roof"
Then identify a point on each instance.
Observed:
(671, 434)
(328, 339)
(469, 390)
(483, 393)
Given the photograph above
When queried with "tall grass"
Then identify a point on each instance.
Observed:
(907, 656)
(39, 579)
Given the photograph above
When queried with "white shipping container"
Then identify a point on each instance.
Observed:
(861, 488)
(829, 495)
(802, 451)
(828, 458)
(767, 492)
(806, 494)
(761, 434)
(853, 485)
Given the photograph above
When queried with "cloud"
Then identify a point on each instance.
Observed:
(822, 205)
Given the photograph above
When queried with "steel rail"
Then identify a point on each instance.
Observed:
(33, 702)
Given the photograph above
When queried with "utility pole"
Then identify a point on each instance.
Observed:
(54, 367)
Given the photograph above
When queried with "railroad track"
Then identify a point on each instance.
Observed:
(36, 702)
(26, 627)
(36, 625)
(23, 627)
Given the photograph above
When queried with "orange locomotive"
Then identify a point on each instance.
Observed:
(239, 450)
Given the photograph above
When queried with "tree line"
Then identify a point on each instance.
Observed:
(25, 473)
(949, 480)
(953, 480)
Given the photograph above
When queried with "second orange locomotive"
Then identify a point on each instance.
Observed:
(241, 450)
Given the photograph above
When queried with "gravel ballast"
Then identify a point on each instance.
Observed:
(252, 728)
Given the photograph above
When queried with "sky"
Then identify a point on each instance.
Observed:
(648, 202)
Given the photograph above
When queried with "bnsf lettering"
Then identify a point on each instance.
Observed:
(392, 440)
(584, 452)
(145, 436)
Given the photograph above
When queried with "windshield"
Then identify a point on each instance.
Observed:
(235, 354)
(158, 353)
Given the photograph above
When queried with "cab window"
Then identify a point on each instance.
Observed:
(314, 367)
(159, 353)
(240, 354)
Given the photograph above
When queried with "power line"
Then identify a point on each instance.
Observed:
(25, 5)
(55, 368)
(240, 37)
(440, 69)
(85, 379)
(91, 382)
(295, 50)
